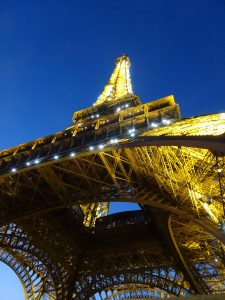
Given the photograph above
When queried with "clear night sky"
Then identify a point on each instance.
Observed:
(56, 56)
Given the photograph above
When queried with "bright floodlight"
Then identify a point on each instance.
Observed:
(165, 121)
(56, 156)
(28, 163)
(101, 146)
(154, 125)
(37, 161)
(91, 148)
(72, 154)
(13, 170)
(132, 130)
(113, 141)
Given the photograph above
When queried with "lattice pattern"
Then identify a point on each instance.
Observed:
(117, 150)
(119, 85)
(131, 292)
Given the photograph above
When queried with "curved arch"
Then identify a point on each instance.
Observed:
(23, 257)
(21, 290)
(191, 237)
(213, 143)
(182, 258)
(165, 205)
(32, 283)
(140, 291)
(167, 280)
(207, 226)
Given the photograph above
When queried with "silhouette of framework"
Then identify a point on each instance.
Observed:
(56, 233)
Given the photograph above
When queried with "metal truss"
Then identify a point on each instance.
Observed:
(37, 272)
(55, 192)
(131, 292)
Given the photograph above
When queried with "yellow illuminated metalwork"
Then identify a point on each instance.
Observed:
(44, 183)
(213, 124)
(119, 84)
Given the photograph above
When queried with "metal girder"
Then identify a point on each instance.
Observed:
(131, 292)
(117, 150)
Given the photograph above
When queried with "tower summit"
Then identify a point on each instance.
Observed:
(119, 84)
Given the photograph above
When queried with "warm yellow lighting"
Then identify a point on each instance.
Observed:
(204, 125)
(208, 210)
(192, 245)
(119, 84)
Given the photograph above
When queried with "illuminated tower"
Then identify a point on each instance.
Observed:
(56, 233)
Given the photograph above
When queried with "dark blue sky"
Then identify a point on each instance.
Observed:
(56, 56)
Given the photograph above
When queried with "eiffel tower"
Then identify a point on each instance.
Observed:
(56, 233)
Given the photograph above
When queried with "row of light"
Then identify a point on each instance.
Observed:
(37, 161)
(72, 154)
(122, 107)
(164, 121)
(102, 146)
(117, 110)
(95, 116)
(153, 124)
(131, 132)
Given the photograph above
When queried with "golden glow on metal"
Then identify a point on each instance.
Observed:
(209, 211)
(187, 157)
(119, 84)
(202, 125)
(93, 211)
(134, 292)
(186, 183)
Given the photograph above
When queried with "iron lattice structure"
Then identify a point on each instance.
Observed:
(55, 230)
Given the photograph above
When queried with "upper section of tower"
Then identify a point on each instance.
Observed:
(117, 103)
(119, 84)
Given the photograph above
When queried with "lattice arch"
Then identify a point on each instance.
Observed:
(169, 281)
(28, 262)
(31, 280)
(130, 292)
